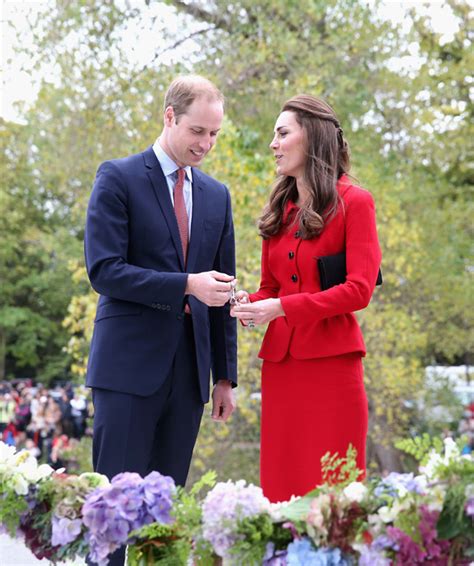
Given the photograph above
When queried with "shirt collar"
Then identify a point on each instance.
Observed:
(167, 164)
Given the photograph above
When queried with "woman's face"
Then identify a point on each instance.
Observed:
(289, 146)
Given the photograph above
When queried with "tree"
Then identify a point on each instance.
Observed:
(36, 287)
(408, 131)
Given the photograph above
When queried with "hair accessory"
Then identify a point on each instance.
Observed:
(340, 136)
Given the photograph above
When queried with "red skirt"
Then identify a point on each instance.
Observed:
(309, 407)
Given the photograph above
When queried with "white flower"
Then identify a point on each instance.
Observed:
(386, 514)
(437, 494)
(277, 510)
(19, 484)
(432, 465)
(34, 473)
(93, 477)
(355, 491)
(451, 454)
(451, 450)
(389, 514)
(377, 526)
(469, 491)
(317, 518)
(6, 452)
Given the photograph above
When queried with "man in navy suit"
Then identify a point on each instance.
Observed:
(163, 263)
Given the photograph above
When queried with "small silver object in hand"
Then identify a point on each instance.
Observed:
(251, 324)
(232, 299)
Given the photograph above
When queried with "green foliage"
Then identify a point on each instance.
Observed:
(453, 521)
(256, 532)
(171, 545)
(420, 447)
(11, 507)
(36, 286)
(78, 455)
(166, 550)
(338, 470)
(409, 522)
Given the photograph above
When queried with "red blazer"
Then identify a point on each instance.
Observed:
(321, 323)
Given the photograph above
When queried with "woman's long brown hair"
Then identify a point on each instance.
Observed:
(327, 159)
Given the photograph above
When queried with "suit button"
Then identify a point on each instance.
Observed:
(297, 234)
(291, 255)
(294, 278)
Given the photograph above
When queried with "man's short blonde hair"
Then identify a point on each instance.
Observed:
(184, 90)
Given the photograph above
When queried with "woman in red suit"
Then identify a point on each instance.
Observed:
(313, 396)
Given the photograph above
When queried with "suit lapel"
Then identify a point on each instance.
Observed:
(199, 208)
(160, 186)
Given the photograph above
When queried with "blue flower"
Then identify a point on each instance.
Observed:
(302, 553)
(396, 484)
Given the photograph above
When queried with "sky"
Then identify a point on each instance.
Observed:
(17, 85)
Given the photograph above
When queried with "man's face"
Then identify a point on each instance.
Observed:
(190, 137)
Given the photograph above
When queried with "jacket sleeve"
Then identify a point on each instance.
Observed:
(106, 244)
(269, 286)
(223, 327)
(363, 258)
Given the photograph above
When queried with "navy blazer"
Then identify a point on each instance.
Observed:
(135, 261)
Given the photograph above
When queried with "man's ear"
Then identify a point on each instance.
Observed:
(169, 117)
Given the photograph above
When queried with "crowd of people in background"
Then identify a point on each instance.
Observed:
(48, 422)
(45, 421)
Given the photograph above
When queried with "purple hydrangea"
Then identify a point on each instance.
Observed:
(372, 556)
(383, 542)
(301, 552)
(111, 513)
(224, 506)
(396, 484)
(65, 530)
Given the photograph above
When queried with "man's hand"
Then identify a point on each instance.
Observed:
(223, 402)
(259, 312)
(210, 287)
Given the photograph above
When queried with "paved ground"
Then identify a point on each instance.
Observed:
(14, 553)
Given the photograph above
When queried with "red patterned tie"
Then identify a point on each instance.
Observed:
(180, 211)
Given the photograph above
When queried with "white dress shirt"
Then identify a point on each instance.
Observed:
(170, 171)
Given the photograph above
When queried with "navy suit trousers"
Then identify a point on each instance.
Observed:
(158, 432)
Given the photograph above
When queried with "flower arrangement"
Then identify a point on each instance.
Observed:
(397, 520)
(113, 512)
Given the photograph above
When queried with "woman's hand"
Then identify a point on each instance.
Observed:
(240, 297)
(260, 312)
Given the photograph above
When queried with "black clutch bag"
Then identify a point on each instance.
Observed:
(332, 271)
